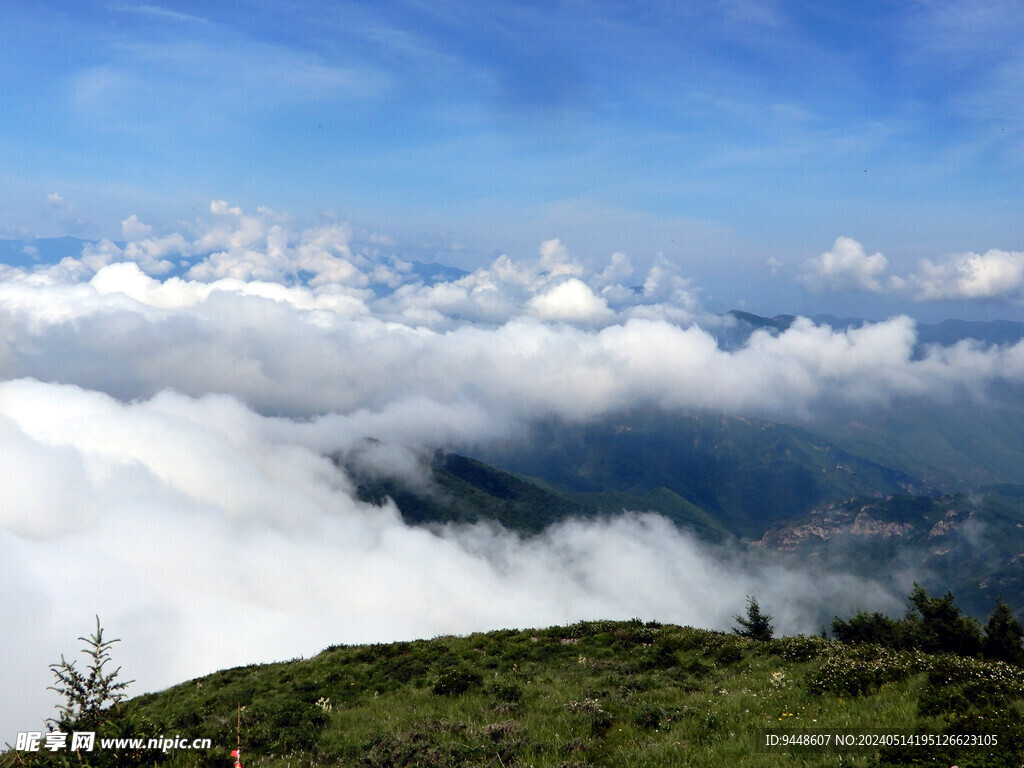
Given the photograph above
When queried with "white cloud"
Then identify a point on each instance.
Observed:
(239, 322)
(993, 275)
(133, 229)
(555, 259)
(572, 300)
(619, 270)
(64, 213)
(304, 351)
(125, 278)
(846, 267)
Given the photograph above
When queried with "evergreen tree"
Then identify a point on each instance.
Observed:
(92, 701)
(937, 626)
(87, 695)
(755, 625)
(1003, 635)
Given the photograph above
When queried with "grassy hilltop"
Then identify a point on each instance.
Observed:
(590, 694)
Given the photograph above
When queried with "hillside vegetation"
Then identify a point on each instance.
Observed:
(590, 694)
(463, 490)
(746, 474)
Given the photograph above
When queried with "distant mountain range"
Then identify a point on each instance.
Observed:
(717, 474)
(786, 490)
(465, 490)
(43, 250)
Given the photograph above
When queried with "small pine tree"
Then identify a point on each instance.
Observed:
(938, 625)
(88, 695)
(755, 625)
(1003, 635)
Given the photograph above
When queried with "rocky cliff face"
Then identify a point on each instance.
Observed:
(972, 544)
(865, 520)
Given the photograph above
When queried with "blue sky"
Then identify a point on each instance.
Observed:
(719, 134)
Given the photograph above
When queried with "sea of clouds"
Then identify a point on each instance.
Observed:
(169, 407)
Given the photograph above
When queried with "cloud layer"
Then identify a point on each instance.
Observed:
(321, 320)
(168, 406)
(995, 275)
(206, 535)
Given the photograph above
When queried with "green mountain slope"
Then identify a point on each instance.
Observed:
(721, 475)
(745, 473)
(468, 491)
(805, 499)
(591, 694)
(463, 490)
(952, 446)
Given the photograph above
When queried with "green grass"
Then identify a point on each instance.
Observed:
(590, 694)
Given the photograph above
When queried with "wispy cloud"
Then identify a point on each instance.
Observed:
(162, 13)
(212, 74)
(65, 213)
(968, 58)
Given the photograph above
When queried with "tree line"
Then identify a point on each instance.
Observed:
(937, 625)
(931, 625)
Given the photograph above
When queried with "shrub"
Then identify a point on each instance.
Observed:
(433, 742)
(729, 653)
(455, 682)
(500, 731)
(284, 727)
(958, 684)
(854, 672)
(511, 694)
(662, 655)
(799, 648)
(875, 628)
(400, 669)
(695, 667)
